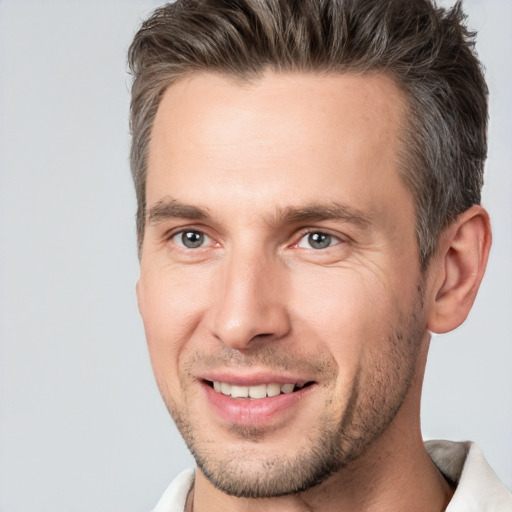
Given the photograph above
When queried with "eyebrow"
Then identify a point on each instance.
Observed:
(169, 208)
(320, 212)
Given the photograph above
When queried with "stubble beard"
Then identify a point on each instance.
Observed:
(331, 445)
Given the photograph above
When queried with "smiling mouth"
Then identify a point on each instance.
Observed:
(257, 392)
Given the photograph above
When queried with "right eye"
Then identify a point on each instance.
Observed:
(190, 239)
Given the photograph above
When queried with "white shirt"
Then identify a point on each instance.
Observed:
(478, 487)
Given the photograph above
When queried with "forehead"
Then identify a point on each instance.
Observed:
(302, 133)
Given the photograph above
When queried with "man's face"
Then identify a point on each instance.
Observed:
(280, 283)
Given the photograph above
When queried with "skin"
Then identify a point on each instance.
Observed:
(244, 166)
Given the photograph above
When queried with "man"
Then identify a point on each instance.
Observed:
(308, 176)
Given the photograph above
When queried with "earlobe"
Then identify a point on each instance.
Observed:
(459, 268)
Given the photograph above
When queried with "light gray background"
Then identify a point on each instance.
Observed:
(82, 427)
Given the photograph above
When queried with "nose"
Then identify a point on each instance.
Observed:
(251, 301)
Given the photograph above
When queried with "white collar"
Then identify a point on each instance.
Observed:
(478, 489)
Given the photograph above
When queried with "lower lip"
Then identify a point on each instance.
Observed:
(260, 412)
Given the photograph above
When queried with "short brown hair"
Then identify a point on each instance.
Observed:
(426, 49)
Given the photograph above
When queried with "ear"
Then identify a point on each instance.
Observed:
(139, 294)
(459, 268)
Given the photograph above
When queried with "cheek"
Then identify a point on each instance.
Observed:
(342, 298)
(171, 309)
(350, 313)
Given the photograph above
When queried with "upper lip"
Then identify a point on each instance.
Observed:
(253, 379)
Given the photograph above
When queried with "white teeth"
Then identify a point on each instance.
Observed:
(273, 389)
(239, 391)
(255, 392)
(287, 388)
(258, 391)
(225, 388)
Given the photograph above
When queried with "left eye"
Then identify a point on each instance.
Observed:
(317, 240)
(190, 239)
